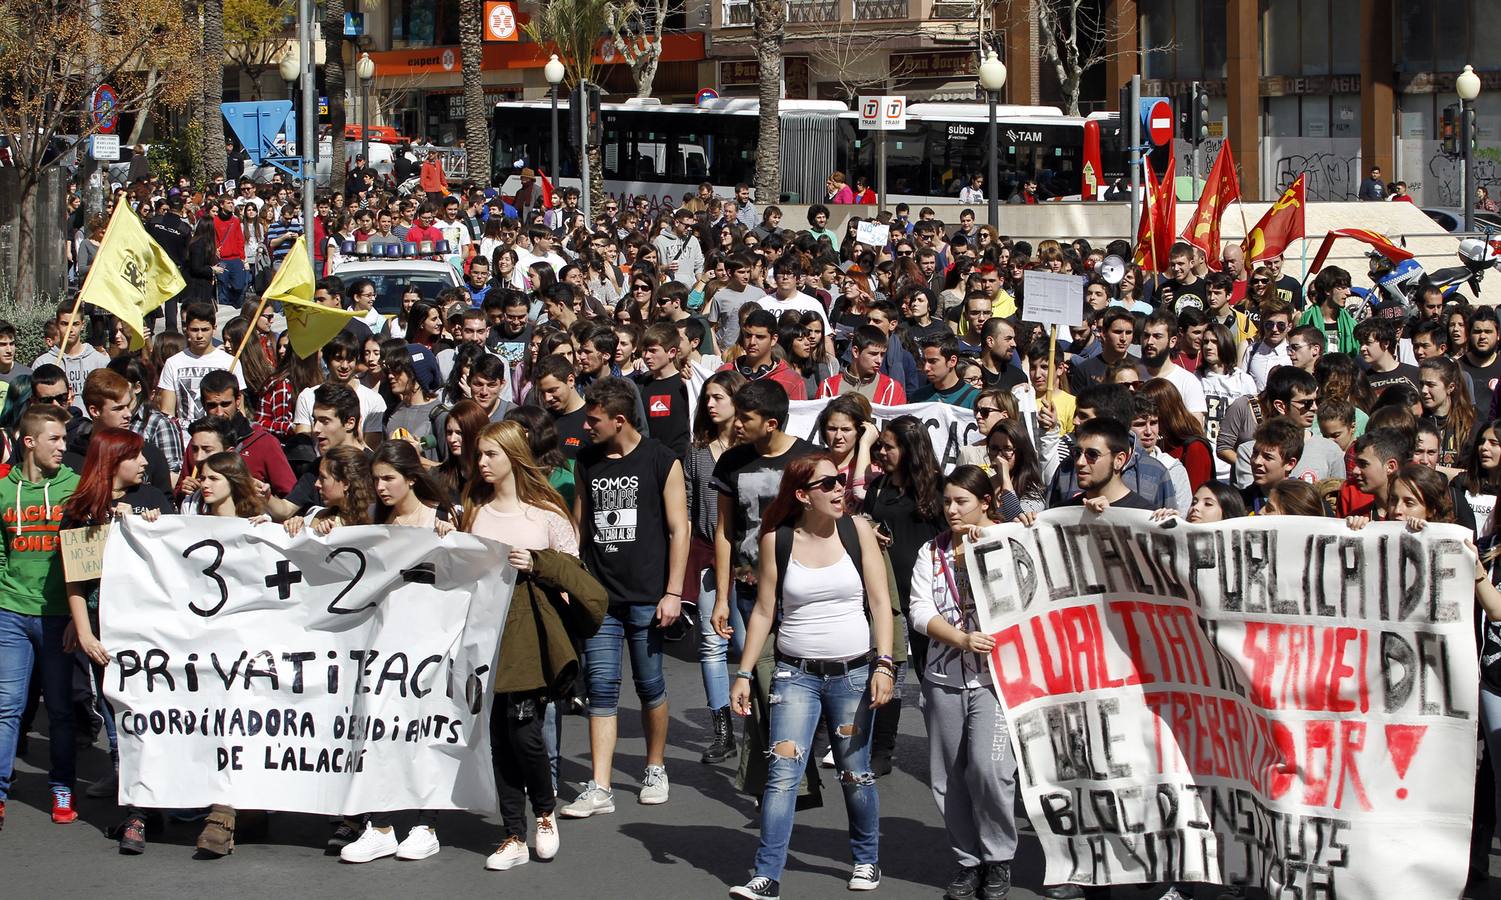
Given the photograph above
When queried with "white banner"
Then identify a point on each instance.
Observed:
(336, 676)
(949, 427)
(1283, 703)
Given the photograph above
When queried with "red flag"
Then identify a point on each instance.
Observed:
(1281, 225)
(546, 189)
(1377, 241)
(1222, 188)
(1154, 234)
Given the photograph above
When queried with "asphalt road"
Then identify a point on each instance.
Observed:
(694, 846)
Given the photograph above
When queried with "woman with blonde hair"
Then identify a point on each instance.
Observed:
(511, 502)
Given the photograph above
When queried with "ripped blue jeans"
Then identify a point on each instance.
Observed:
(798, 700)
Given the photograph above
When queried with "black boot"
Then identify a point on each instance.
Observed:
(883, 736)
(723, 745)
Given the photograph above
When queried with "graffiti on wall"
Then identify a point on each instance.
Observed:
(1331, 176)
(1446, 175)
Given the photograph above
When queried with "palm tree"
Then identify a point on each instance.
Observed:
(333, 86)
(215, 160)
(769, 25)
(476, 117)
(573, 27)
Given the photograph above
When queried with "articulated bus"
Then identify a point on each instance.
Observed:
(663, 151)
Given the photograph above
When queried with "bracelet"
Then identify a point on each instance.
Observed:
(671, 594)
(744, 674)
(889, 672)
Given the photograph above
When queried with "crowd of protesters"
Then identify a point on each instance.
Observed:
(822, 583)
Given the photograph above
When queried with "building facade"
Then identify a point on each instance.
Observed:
(1323, 87)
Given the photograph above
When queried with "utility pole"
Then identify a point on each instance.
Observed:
(309, 141)
(1134, 112)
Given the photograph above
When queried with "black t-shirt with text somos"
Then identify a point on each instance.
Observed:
(571, 435)
(666, 402)
(750, 481)
(624, 521)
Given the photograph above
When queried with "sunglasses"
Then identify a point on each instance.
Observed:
(56, 399)
(827, 483)
(641, 287)
(1092, 455)
(1261, 281)
(985, 412)
(1276, 326)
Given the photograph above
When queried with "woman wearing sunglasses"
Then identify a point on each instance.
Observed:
(812, 556)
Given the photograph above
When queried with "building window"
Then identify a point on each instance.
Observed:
(1193, 33)
(424, 23)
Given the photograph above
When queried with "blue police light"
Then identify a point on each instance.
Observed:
(346, 248)
(442, 248)
(409, 248)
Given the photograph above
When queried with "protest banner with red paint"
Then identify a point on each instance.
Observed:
(1276, 702)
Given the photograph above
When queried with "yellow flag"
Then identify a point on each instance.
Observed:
(294, 280)
(131, 275)
(310, 325)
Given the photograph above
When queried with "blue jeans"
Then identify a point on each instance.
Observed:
(629, 626)
(232, 281)
(24, 639)
(798, 701)
(714, 650)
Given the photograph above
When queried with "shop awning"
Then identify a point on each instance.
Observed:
(962, 89)
(439, 60)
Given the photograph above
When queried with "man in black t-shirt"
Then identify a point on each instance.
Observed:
(632, 508)
(1185, 284)
(1377, 340)
(555, 387)
(663, 391)
(1104, 450)
(748, 477)
(1482, 360)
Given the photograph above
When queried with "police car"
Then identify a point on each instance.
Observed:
(392, 267)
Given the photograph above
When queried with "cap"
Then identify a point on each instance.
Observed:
(528, 173)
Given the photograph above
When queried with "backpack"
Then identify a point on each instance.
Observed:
(848, 536)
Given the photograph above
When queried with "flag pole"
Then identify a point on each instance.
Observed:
(250, 329)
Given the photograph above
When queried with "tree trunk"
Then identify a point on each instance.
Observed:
(769, 28)
(145, 114)
(646, 70)
(596, 180)
(215, 158)
(26, 241)
(333, 86)
(194, 111)
(476, 116)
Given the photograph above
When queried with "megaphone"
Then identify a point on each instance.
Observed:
(1112, 269)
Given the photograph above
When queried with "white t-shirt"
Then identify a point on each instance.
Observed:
(799, 302)
(1219, 392)
(372, 409)
(1188, 387)
(183, 372)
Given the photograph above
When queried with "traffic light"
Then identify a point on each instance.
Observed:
(1200, 114)
(590, 103)
(1448, 131)
(1193, 114)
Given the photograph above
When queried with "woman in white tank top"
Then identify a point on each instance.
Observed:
(825, 667)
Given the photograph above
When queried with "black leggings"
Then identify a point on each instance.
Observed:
(520, 757)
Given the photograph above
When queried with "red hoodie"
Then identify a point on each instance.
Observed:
(781, 374)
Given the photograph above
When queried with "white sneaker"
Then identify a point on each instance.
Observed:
(372, 845)
(509, 855)
(654, 786)
(593, 801)
(547, 836)
(421, 843)
(828, 759)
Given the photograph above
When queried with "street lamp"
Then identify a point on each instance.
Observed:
(1468, 87)
(365, 68)
(290, 68)
(554, 71)
(992, 79)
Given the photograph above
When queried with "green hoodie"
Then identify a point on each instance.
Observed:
(31, 568)
(1344, 323)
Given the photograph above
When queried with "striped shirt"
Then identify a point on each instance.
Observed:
(278, 229)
